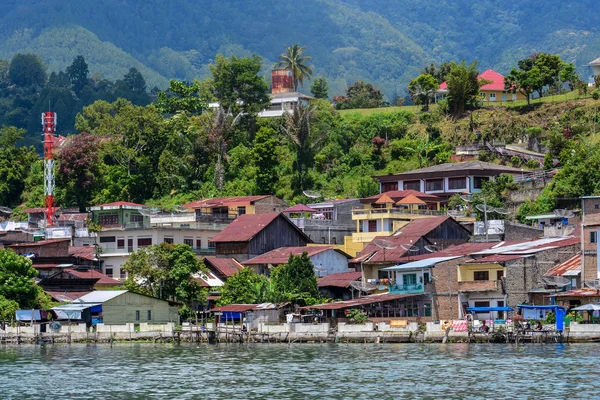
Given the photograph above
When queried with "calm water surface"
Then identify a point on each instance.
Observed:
(300, 371)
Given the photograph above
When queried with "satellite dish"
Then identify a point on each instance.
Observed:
(501, 211)
(179, 209)
(556, 281)
(385, 244)
(593, 284)
(311, 194)
(466, 197)
(6, 210)
(564, 213)
(147, 212)
(484, 208)
(409, 247)
(431, 248)
(365, 287)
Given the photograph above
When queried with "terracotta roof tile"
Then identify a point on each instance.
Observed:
(225, 266)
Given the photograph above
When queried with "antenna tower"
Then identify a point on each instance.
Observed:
(49, 128)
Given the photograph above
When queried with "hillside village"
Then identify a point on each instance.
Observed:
(446, 229)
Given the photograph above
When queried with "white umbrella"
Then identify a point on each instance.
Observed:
(587, 307)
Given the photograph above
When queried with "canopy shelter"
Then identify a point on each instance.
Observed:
(384, 199)
(589, 308)
(299, 208)
(410, 201)
(539, 313)
(489, 310)
(76, 312)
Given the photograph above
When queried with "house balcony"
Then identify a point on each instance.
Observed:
(125, 251)
(393, 213)
(479, 286)
(224, 218)
(398, 288)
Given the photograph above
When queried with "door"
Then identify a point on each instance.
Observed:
(372, 225)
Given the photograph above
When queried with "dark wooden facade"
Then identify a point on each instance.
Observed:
(449, 233)
(281, 232)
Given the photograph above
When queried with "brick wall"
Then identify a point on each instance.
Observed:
(269, 204)
(444, 289)
(590, 258)
(525, 274)
(515, 231)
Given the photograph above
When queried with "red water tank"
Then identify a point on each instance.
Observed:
(282, 81)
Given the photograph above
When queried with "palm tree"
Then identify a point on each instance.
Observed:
(295, 60)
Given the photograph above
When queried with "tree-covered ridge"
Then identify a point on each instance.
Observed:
(385, 44)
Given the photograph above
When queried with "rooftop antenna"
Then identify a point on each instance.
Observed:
(311, 194)
(385, 245)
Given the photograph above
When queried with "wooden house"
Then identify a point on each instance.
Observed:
(251, 235)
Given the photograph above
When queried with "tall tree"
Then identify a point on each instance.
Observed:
(79, 168)
(237, 86)
(181, 97)
(294, 59)
(320, 88)
(245, 287)
(359, 95)
(524, 81)
(165, 271)
(438, 72)
(295, 281)
(265, 160)
(15, 164)
(422, 89)
(463, 86)
(78, 72)
(17, 279)
(27, 70)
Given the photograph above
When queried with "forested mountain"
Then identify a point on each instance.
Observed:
(382, 42)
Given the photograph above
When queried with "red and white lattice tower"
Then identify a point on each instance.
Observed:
(49, 126)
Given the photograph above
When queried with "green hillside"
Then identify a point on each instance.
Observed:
(385, 43)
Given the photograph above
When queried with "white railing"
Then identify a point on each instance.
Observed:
(60, 232)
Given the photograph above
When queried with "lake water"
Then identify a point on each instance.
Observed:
(300, 371)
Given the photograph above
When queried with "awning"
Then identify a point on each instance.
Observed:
(28, 315)
(533, 307)
(587, 307)
(71, 311)
(426, 263)
(488, 309)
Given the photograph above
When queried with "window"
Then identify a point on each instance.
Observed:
(189, 242)
(481, 304)
(499, 275)
(372, 226)
(478, 181)
(323, 239)
(426, 278)
(596, 206)
(500, 313)
(143, 242)
(412, 310)
(211, 245)
(492, 96)
(137, 315)
(389, 186)
(107, 239)
(433, 185)
(108, 272)
(481, 275)
(168, 240)
(136, 218)
(457, 183)
(593, 237)
(241, 210)
(130, 245)
(149, 315)
(333, 240)
(412, 185)
(409, 279)
(427, 309)
(122, 274)
(199, 243)
(108, 219)
(120, 243)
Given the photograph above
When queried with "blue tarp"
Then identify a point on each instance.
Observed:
(488, 309)
(531, 307)
(27, 315)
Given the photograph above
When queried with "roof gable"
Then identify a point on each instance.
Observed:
(246, 226)
(226, 267)
(282, 254)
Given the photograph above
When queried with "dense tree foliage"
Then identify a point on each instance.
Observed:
(245, 287)
(463, 86)
(320, 88)
(17, 281)
(360, 95)
(422, 89)
(295, 281)
(165, 271)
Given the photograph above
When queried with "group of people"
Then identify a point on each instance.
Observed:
(527, 327)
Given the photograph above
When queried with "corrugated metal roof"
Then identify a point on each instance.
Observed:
(496, 258)
(93, 274)
(300, 208)
(234, 308)
(282, 254)
(426, 263)
(542, 216)
(223, 201)
(85, 252)
(208, 280)
(342, 279)
(578, 293)
(226, 266)
(571, 267)
(246, 226)
(459, 168)
(101, 296)
(73, 217)
(460, 250)
(372, 299)
(66, 297)
(121, 204)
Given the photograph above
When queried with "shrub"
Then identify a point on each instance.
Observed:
(533, 164)
(515, 161)
(356, 316)
(596, 94)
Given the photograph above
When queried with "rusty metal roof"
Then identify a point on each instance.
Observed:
(226, 266)
(496, 258)
(578, 293)
(372, 299)
(571, 267)
(93, 274)
(282, 254)
(246, 226)
(341, 280)
(397, 195)
(224, 202)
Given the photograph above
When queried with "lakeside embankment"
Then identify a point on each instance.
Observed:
(294, 333)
